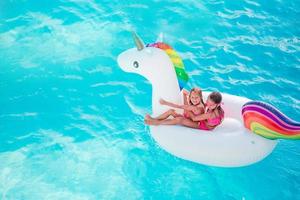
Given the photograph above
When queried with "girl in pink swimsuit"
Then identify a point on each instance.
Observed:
(214, 113)
(193, 106)
(209, 120)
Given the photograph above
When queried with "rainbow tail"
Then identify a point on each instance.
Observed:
(267, 121)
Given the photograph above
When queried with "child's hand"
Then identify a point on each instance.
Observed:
(184, 92)
(162, 102)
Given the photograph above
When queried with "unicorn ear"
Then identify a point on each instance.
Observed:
(160, 37)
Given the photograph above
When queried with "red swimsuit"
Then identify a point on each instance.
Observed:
(211, 122)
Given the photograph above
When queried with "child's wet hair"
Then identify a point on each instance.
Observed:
(216, 97)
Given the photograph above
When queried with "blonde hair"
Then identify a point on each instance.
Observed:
(199, 92)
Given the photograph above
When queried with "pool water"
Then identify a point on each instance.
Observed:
(71, 121)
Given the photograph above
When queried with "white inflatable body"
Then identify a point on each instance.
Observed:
(228, 145)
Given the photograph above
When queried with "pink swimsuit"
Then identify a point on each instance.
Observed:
(186, 115)
(211, 122)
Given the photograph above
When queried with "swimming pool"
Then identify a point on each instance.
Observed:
(71, 121)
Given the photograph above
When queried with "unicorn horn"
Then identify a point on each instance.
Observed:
(138, 42)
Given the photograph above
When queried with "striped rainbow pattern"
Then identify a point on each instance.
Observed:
(265, 120)
(182, 76)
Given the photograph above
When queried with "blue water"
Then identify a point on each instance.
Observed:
(71, 121)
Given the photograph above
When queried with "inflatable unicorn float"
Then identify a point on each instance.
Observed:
(247, 134)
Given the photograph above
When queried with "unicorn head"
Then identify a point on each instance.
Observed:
(146, 61)
(159, 64)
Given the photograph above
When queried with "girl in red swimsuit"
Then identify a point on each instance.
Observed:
(214, 113)
(193, 106)
(209, 120)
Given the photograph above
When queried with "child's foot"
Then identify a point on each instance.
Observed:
(151, 122)
(147, 121)
(148, 117)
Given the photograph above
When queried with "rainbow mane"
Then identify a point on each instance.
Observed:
(265, 120)
(182, 76)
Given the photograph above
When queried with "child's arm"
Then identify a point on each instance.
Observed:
(201, 117)
(195, 109)
(189, 108)
(164, 102)
(190, 114)
(185, 96)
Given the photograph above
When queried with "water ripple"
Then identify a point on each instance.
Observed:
(72, 121)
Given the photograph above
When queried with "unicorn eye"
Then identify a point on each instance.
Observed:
(135, 64)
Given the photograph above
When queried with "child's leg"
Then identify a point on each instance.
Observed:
(176, 121)
(165, 115)
(173, 121)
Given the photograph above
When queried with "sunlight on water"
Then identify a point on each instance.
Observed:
(71, 121)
